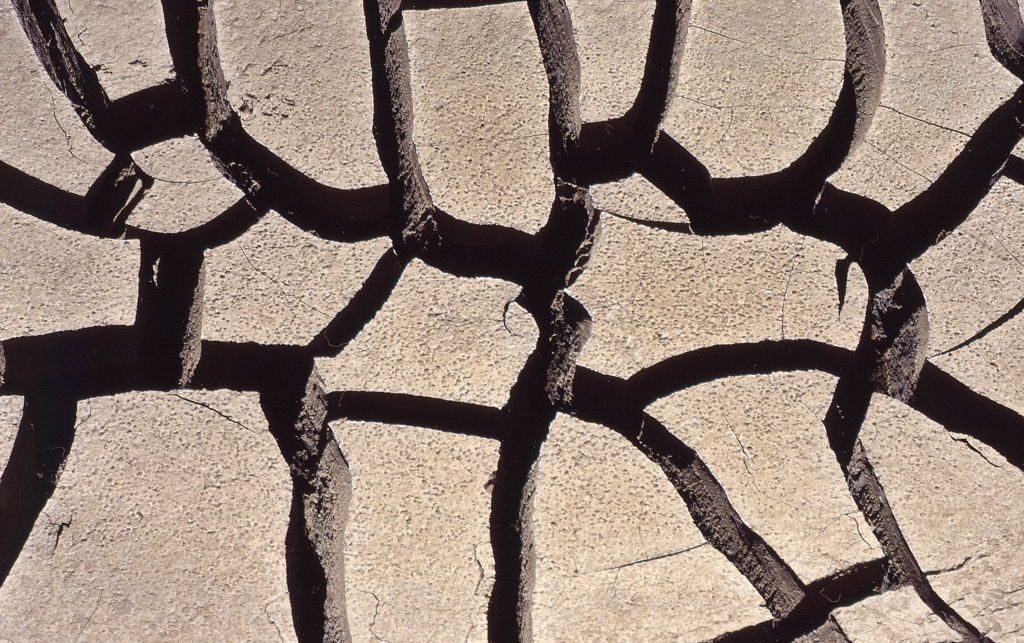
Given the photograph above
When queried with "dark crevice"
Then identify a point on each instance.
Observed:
(363, 306)
(102, 212)
(937, 395)
(544, 382)
(34, 467)
(669, 226)
(413, 410)
(222, 229)
(824, 596)
(603, 399)
(889, 358)
(1005, 34)
(416, 5)
(127, 124)
(164, 349)
(661, 71)
(170, 310)
(995, 325)
(113, 197)
(296, 410)
(37, 198)
(560, 254)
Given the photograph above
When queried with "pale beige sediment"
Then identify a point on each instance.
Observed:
(177, 515)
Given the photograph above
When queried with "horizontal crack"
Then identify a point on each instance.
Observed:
(649, 559)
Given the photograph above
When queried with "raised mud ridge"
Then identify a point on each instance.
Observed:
(164, 349)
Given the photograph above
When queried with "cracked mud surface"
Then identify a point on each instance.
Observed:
(522, 320)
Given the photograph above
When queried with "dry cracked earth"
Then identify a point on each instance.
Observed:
(553, 320)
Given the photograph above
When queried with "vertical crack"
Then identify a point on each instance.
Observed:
(34, 467)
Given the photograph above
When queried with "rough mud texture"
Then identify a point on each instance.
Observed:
(511, 320)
